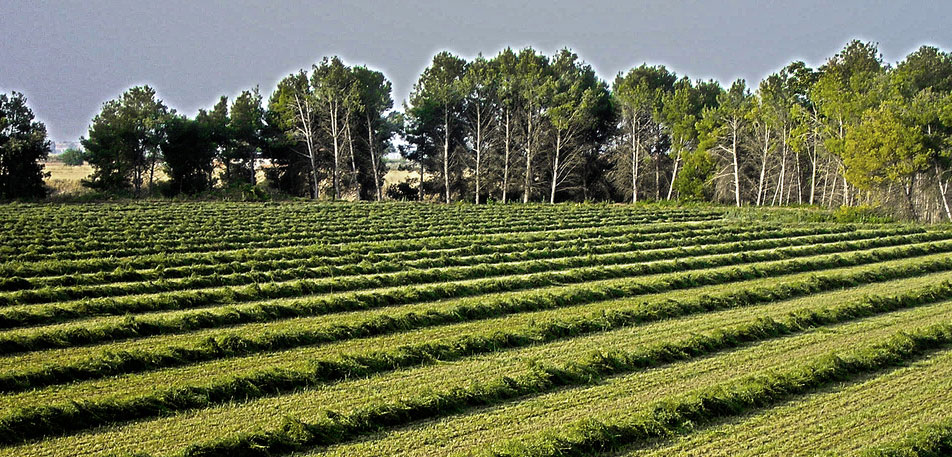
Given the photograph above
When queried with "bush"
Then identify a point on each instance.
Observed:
(861, 214)
(72, 157)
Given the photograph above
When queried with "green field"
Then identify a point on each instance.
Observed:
(307, 329)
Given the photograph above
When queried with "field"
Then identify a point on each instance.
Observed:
(67, 180)
(300, 329)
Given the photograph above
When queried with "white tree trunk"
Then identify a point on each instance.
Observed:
(555, 165)
(674, 173)
(373, 157)
(335, 134)
(635, 159)
(446, 151)
(736, 168)
(528, 181)
(479, 132)
(943, 190)
(763, 167)
(505, 166)
(814, 158)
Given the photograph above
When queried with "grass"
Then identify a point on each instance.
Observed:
(275, 380)
(842, 420)
(299, 328)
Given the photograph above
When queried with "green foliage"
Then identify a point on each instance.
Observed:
(883, 148)
(124, 141)
(863, 214)
(72, 157)
(189, 151)
(23, 146)
(693, 182)
(245, 127)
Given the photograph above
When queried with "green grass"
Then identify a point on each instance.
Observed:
(173, 329)
(842, 419)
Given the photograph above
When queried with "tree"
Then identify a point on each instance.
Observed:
(534, 92)
(885, 148)
(333, 83)
(638, 95)
(72, 157)
(922, 85)
(23, 148)
(294, 106)
(480, 84)
(849, 84)
(786, 98)
(217, 121)
(374, 102)
(723, 129)
(507, 94)
(124, 140)
(189, 152)
(926, 68)
(570, 114)
(245, 123)
(435, 109)
(680, 113)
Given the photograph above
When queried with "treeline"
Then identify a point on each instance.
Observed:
(523, 126)
(329, 124)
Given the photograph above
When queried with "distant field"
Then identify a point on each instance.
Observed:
(66, 179)
(299, 329)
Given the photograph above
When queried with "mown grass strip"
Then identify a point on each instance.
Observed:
(325, 256)
(22, 271)
(681, 415)
(933, 440)
(336, 428)
(299, 270)
(363, 234)
(58, 419)
(148, 300)
(115, 362)
(265, 312)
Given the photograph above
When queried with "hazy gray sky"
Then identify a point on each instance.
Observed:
(70, 56)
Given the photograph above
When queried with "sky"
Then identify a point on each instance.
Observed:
(69, 57)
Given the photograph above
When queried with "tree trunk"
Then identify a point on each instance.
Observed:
(373, 157)
(635, 159)
(943, 190)
(505, 166)
(814, 158)
(420, 193)
(799, 181)
(313, 156)
(479, 131)
(846, 189)
(763, 168)
(674, 173)
(555, 165)
(736, 168)
(152, 173)
(528, 181)
(446, 151)
(304, 116)
(350, 147)
(832, 193)
(335, 133)
(907, 190)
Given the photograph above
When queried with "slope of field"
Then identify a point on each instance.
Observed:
(218, 329)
